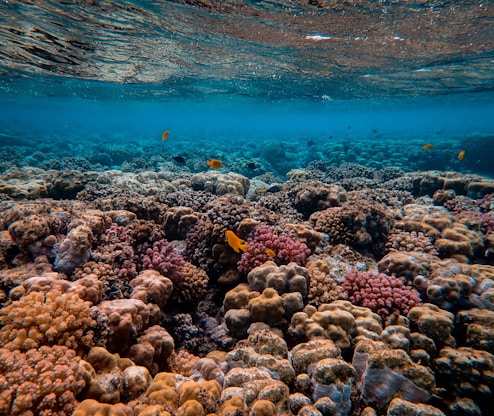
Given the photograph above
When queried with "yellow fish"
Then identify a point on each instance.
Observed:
(235, 242)
(215, 164)
(270, 253)
(165, 135)
(427, 146)
(461, 155)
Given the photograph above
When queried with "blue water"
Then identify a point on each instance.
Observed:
(85, 114)
(417, 117)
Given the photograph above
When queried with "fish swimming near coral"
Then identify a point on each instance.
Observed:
(165, 135)
(214, 164)
(251, 165)
(428, 146)
(235, 242)
(461, 155)
(270, 253)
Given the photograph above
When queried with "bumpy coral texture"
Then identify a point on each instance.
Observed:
(50, 318)
(383, 294)
(161, 256)
(285, 246)
(364, 225)
(45, 381)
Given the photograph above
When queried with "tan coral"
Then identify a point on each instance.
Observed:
(433, 322)
(465, 372)
(251, 358)
(386, 373)
(151, 287)
(339, 321)
(220, 184)
(306, 234)
(477, 327)
(112, 377)
(191, 408)
(239, 297)
(89, 288)
(194, 285)
(303, 355)
(50, 318)
(459, 241)
(90, 407)
(152, 349)
(323, 288)
(126, 316)
(263, 408)
(268, 307)
(162, 390)
(46, 380)
(400, 407)
(285, 278)
(177, 220)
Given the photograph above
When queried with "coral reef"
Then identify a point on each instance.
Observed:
(383, 294)
(362, 290)
(46, 380)
(51, 318)
(269, 244)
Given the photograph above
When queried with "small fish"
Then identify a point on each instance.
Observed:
(179, 159)
(427, 146)
(270, 253)
(374, 131)
(165, 135)
(461, 155)
(310, 143)
(215, 164)
(251, 165)
(235, 241)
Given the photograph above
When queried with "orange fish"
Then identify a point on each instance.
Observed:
(427, 146)
(235, 242)
(461, 155)
(215, 164)
(165, 135)
(270, 253)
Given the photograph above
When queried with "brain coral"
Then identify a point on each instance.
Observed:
(383, 294)
(42, 381)
(50, 318)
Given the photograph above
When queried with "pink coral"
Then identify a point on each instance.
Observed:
(383, 294)
(42, 381)
(286, 247)
(162, 257)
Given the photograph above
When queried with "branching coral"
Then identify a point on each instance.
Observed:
(42, 381)
(50, 318)
(383, 294)
(267, 243)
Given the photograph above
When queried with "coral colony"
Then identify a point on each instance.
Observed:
(339, 292)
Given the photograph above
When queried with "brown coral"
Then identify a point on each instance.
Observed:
(50, 318)
(126, 317)
(40, 381)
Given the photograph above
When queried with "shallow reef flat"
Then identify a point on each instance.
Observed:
(342, 290)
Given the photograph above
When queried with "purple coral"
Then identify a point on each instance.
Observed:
(162, 257)
(266, 240)
(383, 294)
